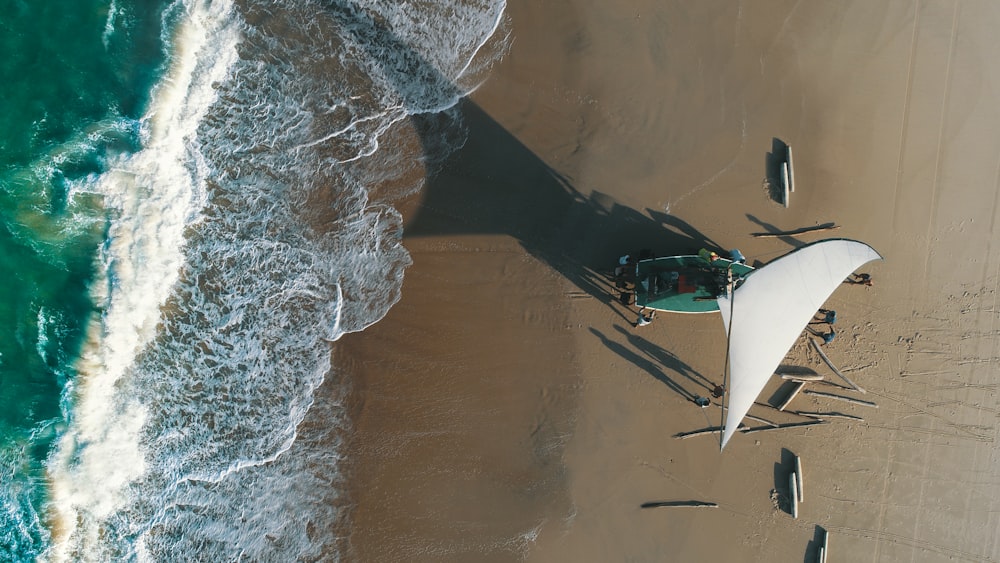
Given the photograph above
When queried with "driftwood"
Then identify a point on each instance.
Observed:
(746, 430)
(692, 434)
(801, 376)
(679, 504)
(780, 426)
(822, 415)
(826, 360)
(752, 417)
(791, 394)
(797, 232)
(761, 420)
(842, 398)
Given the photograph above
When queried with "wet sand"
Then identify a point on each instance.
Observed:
(507, 409)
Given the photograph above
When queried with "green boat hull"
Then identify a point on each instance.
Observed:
(684, 284)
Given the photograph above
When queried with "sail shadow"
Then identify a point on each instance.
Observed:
(495, 185)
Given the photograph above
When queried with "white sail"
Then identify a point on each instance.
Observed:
(768, 312)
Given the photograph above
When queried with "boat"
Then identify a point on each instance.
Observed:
(764, 310)
(689, 283)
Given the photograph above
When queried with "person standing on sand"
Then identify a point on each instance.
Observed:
(828, 337)
(860, 279)
(829, 317)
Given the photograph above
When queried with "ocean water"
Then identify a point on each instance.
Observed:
(196, 200)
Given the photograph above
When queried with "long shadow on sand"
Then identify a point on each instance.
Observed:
(665, 358)
(496, 185)
(647, 365)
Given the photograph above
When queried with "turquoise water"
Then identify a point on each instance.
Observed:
(75, 76)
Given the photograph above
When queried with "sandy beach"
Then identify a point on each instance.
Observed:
(507, 409)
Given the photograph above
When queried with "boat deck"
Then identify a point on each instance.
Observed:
(683, 284)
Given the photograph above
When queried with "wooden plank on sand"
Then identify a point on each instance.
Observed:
(791, 394)
(797, 232)
(679, 504)
(751, 417)
(745, 430)
(828, 415)
(693, 433)
(842, 398)
(801, 376)
(781, 426)
(792, 494)
(791, 169)
(827, 361)
(784, 183)
(798, 478)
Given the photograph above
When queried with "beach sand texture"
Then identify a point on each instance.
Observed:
(507, 409)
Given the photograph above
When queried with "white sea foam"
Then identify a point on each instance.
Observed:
(253, 228)
(109, 24)
(150, 196)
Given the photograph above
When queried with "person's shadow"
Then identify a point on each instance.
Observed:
(645, 364)
(665, 358)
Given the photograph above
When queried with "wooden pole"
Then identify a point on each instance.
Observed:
(752, 417)
(684, 435)
(801, 376)
(785, 185)
(842, 398)
(822, 415)
(797, 232)
(792, 494)
(798, 478)
(826, 360)
(791, 169)
(679, 504)
(745, 430)
(780, 426)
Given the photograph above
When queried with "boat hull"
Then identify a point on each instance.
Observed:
(684, 284)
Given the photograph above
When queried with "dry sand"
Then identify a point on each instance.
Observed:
(507, 407)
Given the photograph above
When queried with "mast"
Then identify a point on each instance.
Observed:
(730, 287)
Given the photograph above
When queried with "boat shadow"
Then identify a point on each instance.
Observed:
(782, 469)
(772, 169)
(812, 548)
